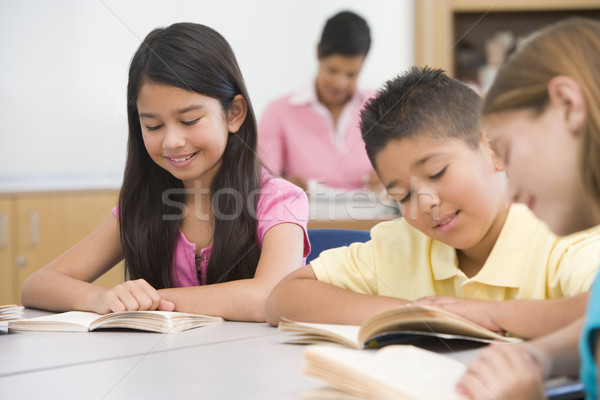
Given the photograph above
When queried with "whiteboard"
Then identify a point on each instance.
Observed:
(64, 65)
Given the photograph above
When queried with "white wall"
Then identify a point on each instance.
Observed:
(64, 67)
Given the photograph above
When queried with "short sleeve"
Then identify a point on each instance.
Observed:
(349, 267)
(588, 372)
(281, 202)
(271, 140)
(574, 263)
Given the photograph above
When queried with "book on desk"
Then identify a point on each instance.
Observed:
(399, 325)
(81, 321)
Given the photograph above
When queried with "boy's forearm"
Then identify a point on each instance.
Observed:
(535, 318)
(310, 300)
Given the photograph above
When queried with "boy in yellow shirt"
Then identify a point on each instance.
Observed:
(460, 236)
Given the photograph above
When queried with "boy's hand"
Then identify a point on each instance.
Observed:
(503, 371)
(478, 311)
(135, 295)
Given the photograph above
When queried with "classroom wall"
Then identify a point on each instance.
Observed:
(64, 68)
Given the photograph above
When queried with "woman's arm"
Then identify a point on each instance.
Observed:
(524, 318)
(244, 300)
(64, 284)
(301, 297)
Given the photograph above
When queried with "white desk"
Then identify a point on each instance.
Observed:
(228, 360)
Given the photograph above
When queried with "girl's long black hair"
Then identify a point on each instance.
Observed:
(192, 57)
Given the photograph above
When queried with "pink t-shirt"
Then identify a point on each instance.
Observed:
(279, 202)
(297, 137)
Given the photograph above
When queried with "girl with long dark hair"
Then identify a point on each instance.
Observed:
(201, 225)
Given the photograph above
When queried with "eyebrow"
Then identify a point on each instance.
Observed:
(180, 111)
(418, 163)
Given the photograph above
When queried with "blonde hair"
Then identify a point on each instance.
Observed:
(570, 48)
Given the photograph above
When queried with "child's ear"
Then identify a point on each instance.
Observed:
(489, 149)
(237, 113)
(564, 92)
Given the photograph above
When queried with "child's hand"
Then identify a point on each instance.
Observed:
(478, 311)
(135, 295)
(503, 371)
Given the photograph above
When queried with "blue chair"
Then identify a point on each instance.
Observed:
(323, 239)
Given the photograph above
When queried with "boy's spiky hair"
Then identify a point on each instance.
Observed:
(423, 101)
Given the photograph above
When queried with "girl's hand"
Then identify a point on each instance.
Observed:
(478, 311)
(503, 371)
(135, 295)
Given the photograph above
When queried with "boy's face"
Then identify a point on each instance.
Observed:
(540, 155)
(445, 188)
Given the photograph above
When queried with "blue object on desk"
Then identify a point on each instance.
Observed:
(569, 390)
(324, 239)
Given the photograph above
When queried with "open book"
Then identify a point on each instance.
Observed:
(398, 372)
(80, 321)
(9, 312)
(393, 326)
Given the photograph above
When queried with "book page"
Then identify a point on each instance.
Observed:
(394, 372)
(424, 318)
(307, 332)
(153, 321)
(68, 321)
(9, 312)
(80, 321)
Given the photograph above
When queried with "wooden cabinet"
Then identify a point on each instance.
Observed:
(7, 272)
(360, 225)
(451, 34)
(37, 227)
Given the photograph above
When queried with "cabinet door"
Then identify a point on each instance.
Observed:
(86, 211)
(48, 225)
(7, 277)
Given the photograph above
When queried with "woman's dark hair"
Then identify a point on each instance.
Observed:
(347, 34)
(192, 57)
(422, 101)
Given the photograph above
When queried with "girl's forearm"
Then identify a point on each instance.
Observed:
(535, 318)
(240, 300)
(558, 352)
(54, 291)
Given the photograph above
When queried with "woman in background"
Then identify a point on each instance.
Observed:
(314, 132)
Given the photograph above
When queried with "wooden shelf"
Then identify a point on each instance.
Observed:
(443, 27)
(521, 5)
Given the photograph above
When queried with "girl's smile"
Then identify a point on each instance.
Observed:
(181, 161)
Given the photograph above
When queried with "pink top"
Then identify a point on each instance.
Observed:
(297, 137)
(279, 202)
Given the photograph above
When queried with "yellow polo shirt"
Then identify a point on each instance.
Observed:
(527, 262)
